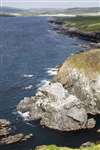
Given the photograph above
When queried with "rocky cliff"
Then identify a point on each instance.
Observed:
(80, 74)
(71, 101)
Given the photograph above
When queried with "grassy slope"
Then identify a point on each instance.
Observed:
(85, 23)
(87, 61)
(53, 147)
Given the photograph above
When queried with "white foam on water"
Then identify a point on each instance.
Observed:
(28, 87)
(52, 71)
(31, 125)
(43, 83)
(50, 31)
(28, 75)
(25, 116)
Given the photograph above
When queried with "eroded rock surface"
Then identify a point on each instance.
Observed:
(80, 74)
(66, 103)
(56, 108)
(7, 135)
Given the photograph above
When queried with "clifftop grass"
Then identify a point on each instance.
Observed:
(53, 147)
(88, 61)
(83, 23)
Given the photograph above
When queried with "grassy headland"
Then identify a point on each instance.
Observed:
(85, 27)
(83, 23)
(87, 61)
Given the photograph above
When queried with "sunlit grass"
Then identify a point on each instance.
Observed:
(87, 62)
(53, 147)
(87, 23)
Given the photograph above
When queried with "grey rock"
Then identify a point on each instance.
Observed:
(87, 144)
(66, 103)
(7, 135)
(11, 139)
(56, 108)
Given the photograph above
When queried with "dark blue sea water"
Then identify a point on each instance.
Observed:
(28, 47)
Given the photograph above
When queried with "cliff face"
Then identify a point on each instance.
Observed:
(80, 74)
(65, 103)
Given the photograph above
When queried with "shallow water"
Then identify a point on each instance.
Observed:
(29, 50)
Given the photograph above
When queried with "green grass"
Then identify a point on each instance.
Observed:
(89, 60)
(87, 63)
(83, 23)
(53, 147)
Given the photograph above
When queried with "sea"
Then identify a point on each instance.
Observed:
(30, 51)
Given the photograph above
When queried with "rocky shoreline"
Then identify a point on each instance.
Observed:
(68, 103)
(92, 36)
(71, 101)
(75, 32)
(8, 135)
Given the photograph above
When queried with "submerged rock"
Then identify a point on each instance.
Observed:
(7, 135)
(4, 127)
(66, 103)
(11, 139)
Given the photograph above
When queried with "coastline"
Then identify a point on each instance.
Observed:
(23, 103)
(51, 73)
(73, 31)
(67, 103)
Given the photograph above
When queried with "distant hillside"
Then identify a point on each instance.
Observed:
(66, 11)
(9, 10)
(83, 10)
(51, 11)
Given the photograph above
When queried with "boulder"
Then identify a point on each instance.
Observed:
(12, 139)
(7, 135)
(57, 109)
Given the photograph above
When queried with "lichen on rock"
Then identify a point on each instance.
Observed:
(81, 75)
(65, 103)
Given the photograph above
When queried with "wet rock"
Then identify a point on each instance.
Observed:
(87, 144)
(95, 45)
(4, 123)
(4, 127)
(7, 135)
(91, 123)
(98, 131)
(11, 139)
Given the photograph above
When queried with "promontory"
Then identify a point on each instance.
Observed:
(72, 99)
